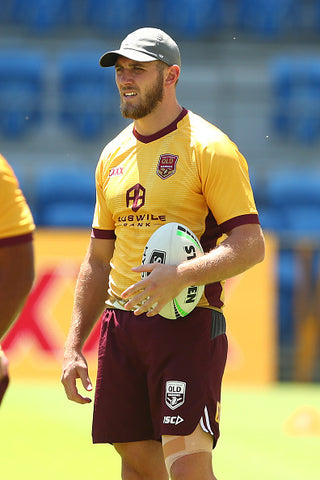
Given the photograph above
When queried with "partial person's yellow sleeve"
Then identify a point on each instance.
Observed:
(15, 215)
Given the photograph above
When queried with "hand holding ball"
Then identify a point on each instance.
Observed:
(171, 244)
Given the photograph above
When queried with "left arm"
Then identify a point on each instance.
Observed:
(16, 279)
(241, 250)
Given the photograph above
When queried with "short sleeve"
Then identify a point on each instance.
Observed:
(102, 218)
(15, 216)
(226, 183)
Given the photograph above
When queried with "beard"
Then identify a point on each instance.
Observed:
(152, 97)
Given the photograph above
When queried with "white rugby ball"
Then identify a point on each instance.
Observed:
(174, 243)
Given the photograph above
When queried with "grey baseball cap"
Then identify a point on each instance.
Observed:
(145, 45)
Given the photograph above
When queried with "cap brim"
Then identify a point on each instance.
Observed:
(109, 58)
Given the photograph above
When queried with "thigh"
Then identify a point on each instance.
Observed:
(186, 373)
(121, 408)
(141, 460)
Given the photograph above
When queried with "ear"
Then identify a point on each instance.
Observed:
(172, 75)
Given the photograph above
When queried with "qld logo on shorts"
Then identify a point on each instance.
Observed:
(175, 394)
(167, 165)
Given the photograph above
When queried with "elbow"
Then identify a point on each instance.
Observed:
(261, 255)
(29, 275)
(255, 248)
(29, 281)
(260, 249)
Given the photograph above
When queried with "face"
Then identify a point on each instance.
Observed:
(140, 85)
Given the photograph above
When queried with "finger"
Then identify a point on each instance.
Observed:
(85, 379)
(74, 395)
(148, 267)
(130, 291)
(137, 301)
(149, 305)
(133, 289)
(70, 386)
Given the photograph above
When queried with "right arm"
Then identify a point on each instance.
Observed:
(89, 303)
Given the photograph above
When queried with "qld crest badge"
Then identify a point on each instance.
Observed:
(167, 165)
(175, 393)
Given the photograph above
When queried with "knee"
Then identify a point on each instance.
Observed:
(142, 461)
(128, 472)
(197, 466)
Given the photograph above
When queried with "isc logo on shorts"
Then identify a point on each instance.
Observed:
(172, 420)
(175, 393)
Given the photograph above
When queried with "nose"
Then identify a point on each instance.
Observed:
(124, 77)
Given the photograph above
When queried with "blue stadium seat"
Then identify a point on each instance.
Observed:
(316, 16)
(293, 188)
(41, 16)
(270, 219)
(303, 221)
(287, 274)
(21, 90)
(295, 196)
(68, 215)
(5, 12)
(295, 82)
(269, 18)
(191, 19)
(65, 196)
(88, 96)
(117, 17)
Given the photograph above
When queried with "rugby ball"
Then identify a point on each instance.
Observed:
(171, 244)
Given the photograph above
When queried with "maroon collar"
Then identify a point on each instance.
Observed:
(168, 129)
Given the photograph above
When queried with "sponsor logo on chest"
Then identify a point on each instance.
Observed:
(115, 172)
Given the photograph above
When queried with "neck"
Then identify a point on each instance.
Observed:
(158, 119)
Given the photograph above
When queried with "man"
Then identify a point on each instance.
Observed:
(16, 256)
(142, 356)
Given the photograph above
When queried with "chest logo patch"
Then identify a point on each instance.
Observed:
(167, 165)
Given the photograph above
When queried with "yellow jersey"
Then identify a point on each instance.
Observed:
(190, 172)
(16, 221)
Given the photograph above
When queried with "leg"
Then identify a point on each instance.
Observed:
(189, 457)
(142, 460)
(196, 466)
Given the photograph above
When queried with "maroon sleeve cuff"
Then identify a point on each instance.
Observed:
(238, 221)
(5, 242)
(103, 234)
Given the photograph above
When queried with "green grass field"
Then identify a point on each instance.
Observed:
(44, 436)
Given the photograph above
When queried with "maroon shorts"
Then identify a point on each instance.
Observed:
(157, 376)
